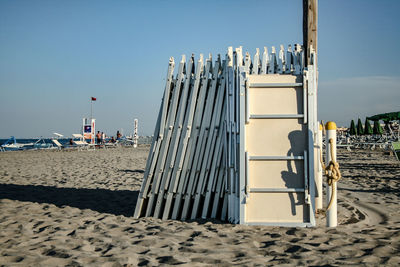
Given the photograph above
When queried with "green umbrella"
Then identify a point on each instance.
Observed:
(377, 128)
(360, 128)
(368, 128)
(391, 116)
(353, 129)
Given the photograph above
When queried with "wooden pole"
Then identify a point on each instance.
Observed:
(310, 27)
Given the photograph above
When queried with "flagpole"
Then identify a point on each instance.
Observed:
(91, 109)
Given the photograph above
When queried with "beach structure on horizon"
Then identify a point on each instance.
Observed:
(371, 137)
(12, 145)
(89, 129)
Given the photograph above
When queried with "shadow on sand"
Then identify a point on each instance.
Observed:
(101, 200)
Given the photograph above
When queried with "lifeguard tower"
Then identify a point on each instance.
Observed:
(89, 129)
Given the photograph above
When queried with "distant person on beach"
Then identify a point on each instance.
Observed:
(98, 137)
(71, 142)
(103, 137)
(118, 135)
(112, 139)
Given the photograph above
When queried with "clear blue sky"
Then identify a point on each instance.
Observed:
(55, 55)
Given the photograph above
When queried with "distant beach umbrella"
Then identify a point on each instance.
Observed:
(353, 129)
(368, 128)
(360, 128)
(377, 128)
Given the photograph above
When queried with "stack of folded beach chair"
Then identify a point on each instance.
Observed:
(192, 170)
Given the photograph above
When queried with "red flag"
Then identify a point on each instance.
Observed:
(93, 98)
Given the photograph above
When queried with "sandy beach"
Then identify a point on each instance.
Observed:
(74, 208)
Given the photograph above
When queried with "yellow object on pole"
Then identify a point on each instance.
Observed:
(330, 125)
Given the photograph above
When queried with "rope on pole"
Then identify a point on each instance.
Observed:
(332, 173)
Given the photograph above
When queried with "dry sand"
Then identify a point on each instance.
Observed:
(74, 208)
